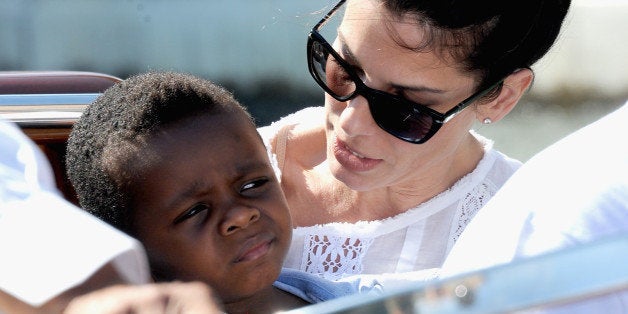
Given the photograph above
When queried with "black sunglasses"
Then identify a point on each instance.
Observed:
(406, 120)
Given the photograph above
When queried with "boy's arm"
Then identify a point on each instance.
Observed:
(105, 292)
(105, 276)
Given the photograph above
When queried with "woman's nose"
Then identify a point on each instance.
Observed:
(356, 119)
(237, 218)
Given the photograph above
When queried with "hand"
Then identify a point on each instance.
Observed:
(174, 297)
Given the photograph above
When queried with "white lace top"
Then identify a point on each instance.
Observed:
(415, 240)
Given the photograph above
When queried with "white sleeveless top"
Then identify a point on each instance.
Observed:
(415, 240)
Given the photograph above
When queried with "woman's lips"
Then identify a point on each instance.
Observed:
(254, 248)
(352, 160)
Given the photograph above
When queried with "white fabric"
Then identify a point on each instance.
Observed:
(47, 245)
(573, 192)
(417, 239)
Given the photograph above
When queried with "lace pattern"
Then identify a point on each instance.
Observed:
(333, 257)
(468, 207)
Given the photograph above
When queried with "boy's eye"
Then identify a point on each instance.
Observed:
(253, 184)
(196, 209)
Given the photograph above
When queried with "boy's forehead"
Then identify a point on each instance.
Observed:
(195, 158)
(176, 139)
(231, 133)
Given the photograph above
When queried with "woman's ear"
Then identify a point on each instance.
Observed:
(515, 85)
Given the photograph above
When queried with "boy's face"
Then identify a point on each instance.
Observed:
(208, 206)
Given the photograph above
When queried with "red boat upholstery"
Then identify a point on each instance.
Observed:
(51, 132)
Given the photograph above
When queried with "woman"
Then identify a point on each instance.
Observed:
(385, 177)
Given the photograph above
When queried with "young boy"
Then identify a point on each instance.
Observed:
(176, 162)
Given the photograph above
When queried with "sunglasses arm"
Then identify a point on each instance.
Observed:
(455, 111)
(465, 103)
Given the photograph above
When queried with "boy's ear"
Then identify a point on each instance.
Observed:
(515, 85)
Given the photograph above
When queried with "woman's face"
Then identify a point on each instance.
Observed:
(208, 206)
(360, 153)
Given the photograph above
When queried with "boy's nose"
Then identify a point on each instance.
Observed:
(239, 217)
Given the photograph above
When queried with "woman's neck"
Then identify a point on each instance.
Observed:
(330, 200)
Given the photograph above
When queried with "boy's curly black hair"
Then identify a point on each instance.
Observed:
(106, 141)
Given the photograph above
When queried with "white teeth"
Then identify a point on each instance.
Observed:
(356, 154)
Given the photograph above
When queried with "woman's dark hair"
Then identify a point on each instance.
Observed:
(492, 38)
(106, 142)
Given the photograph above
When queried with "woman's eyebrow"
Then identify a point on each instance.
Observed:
(418, 89)
(346, 52)
(353, 60)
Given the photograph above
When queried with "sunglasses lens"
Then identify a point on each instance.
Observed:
(400, 119)
(328, 72)
(394, 115)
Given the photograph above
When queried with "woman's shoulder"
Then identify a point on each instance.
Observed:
(309, 117)
(298, 137)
